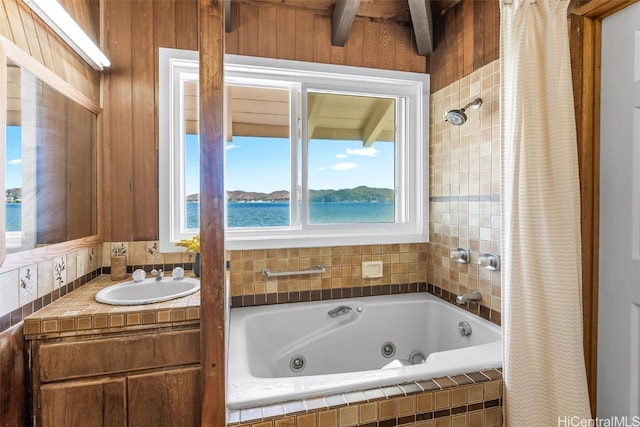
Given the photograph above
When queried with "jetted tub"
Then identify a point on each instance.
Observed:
(295, 351)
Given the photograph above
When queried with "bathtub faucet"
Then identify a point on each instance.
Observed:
(339, 311)
(158, 274)
(473, 296)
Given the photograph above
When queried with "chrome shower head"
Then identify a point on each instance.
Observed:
(458, 117)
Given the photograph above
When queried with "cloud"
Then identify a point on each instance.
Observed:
(231, 146)
(14, 162)
(341, 156)
(321, 168)
(367, 151)
(343, 166)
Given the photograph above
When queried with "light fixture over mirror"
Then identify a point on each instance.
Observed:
(68, 29)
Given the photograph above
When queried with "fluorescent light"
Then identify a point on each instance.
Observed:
(67, 28)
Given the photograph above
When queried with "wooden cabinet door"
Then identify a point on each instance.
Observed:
(98, 403)
(165, 398)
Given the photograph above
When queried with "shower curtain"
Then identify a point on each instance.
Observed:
(544, 372)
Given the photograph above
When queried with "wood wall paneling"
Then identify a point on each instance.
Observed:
(144, 146)
(465, 39)
(135, 32)
(300, 34)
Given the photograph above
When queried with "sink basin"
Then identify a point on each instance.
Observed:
(147, 291)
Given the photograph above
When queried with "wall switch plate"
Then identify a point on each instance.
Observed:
(371, 269)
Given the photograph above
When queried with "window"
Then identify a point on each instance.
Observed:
(315, 154)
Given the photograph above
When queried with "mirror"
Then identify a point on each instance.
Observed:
(50, 166)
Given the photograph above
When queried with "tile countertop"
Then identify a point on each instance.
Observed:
(77, 313)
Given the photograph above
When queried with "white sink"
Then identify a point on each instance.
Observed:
(147, 291)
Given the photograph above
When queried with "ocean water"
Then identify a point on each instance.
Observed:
(274, 214)
(13, 216)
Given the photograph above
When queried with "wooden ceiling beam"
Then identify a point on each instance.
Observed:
(382, 112)
(422, 20)
(342, 19)
(315, 105)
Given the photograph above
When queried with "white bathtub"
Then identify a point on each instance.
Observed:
(345, 353)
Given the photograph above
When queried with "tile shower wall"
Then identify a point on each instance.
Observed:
(464, 169)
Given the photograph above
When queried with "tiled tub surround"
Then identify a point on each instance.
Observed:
(469, 400)
(464, 168)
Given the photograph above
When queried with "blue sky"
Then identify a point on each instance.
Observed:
(261, 165)
(13, 170)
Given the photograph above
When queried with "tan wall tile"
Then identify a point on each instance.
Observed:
(368, 412)
(328, 418)
(348, 416)
(442, 399)
(285, 422)
(405, 405)
(492, 390)
(386, 409)
(424, 402)
(307, 420)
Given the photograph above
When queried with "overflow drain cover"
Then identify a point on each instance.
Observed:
(297, 363)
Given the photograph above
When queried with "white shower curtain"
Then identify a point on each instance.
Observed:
(544, 372)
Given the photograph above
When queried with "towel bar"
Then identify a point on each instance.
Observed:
(318, 270)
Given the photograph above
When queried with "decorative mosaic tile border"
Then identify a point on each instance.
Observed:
(474, 398)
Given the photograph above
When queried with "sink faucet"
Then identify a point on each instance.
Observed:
(158, 274)
(339, 311)
(473, 296)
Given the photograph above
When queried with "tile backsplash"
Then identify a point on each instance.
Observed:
(29, 288)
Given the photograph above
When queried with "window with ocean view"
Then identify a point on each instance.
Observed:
(313, 155)
(13, 179)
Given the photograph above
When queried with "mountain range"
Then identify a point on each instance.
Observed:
(357, 194)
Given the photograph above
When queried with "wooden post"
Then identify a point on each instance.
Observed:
(212, 291)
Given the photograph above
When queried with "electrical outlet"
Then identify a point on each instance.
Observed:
(371, 269)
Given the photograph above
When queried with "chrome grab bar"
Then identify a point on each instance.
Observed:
(318, 270)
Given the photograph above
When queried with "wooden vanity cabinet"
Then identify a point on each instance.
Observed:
(128, 379)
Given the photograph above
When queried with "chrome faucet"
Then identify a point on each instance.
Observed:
(158, 274)
(473, 296)
(339, 311)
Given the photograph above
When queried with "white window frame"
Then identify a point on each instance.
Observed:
(412, 156)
